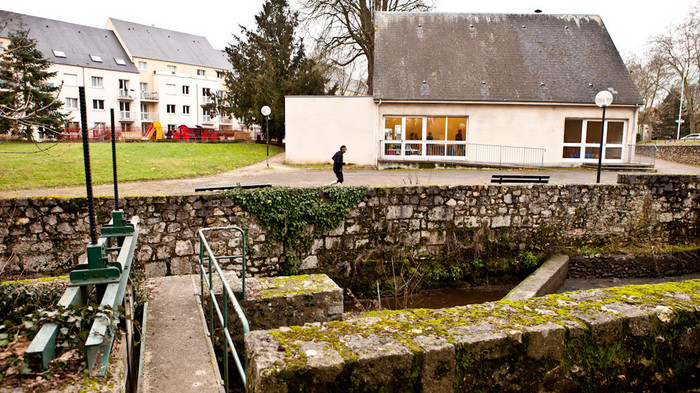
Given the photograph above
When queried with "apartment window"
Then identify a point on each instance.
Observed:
(206, 92)
(98, 104)
(186, 90)
(170, 108)
(201, 72)
(98, 125)
(170, 89)
(171, 69)
(186, 109)
(142, 65)
(70, 79)
(582, 139)
(219, 74)
(97, 82)
(96, 59)
(71, 103)
(59, 53)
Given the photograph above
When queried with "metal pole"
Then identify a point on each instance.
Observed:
(267, 140)
(680, 112)
(600, 153)
(114, 160)
(86, 160)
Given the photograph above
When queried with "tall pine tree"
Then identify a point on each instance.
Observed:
(26, 99)
(268, 64)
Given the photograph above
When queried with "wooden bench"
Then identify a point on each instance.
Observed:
(500, 179)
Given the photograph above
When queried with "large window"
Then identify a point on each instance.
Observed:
(417, 128)
(582, 139)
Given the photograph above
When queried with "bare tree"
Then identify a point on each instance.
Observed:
(679, 50)
(651, 78)
(345, 28)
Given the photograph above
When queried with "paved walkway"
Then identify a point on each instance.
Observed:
(279, 174)
(177, 355)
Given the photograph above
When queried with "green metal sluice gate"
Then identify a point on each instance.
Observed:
(208, 269)
(106, 275)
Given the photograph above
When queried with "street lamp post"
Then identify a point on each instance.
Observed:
(265, 110)
(603, 99)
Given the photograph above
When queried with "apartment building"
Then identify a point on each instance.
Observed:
(178, 73)
(82, 56)
(142, 72)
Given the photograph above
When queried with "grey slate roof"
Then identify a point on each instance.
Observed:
(154, 43)
(76, 41)
(497, 57)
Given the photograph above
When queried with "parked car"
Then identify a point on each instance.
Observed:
(691, 137)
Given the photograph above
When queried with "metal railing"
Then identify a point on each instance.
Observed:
(126, 94)
(127, 116)
(149, 116)
(643, 154)
(456, 151)
(227, 293)
(149, 95)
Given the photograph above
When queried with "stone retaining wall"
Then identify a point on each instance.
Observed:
(48, 235)
(636, 338)
(684, 154)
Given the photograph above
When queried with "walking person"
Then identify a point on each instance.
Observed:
(338, 165)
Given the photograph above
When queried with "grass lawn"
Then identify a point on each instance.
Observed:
(135, 161)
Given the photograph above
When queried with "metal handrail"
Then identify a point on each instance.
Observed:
(458, 151)
(647, 154)
(227, 293)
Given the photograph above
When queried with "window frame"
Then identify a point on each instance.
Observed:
(100, 85)
(168, 108)
(74, 100)
(98, 104)
(585, 146)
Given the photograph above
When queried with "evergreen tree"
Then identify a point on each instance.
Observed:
(26, 99)
(667, 116)
(268, 64)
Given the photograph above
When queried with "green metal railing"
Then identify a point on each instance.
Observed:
(206, 274)
(84, 279)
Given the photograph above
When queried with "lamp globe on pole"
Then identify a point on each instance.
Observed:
(265, 110)
(603, 100)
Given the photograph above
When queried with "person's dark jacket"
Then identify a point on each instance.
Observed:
(338, 161)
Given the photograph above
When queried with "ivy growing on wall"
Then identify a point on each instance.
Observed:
(295, 216)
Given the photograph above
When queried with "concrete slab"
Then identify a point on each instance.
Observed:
(545, 280)
(177, 353)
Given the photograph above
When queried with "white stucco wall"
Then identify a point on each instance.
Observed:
(316, 126)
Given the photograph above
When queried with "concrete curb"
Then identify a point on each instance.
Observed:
(545, 280)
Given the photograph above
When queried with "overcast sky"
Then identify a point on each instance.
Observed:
(630, 23)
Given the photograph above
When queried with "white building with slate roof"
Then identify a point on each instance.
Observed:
(477, 88)
(143, 73)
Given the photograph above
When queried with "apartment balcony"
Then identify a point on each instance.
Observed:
(151, 96)
(126, 94)
(207, 119)
(127, 116)
(225, 119)
(149, 117)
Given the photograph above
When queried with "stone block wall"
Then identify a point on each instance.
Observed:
(636, 338)
(48, 235)
(684, 154)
